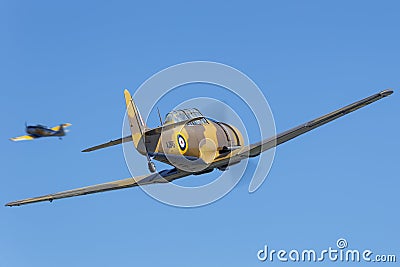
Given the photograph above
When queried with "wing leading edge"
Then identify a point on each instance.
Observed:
(23, 137)
(257, 148)
(164, 176)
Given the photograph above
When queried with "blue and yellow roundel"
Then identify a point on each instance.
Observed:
(182, 143)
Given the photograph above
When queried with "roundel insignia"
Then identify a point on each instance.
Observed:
(182, 143)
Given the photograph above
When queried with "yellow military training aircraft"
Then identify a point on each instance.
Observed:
(192, 144)
(38, 131)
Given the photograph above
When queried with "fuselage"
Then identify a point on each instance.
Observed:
(42, 131)
(206, 141)
(196, 140)
(187, 140)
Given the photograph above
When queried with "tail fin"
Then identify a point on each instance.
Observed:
(61, 130)
(137, 125)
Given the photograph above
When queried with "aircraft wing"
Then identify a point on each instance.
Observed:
(56, 128)
(257, 148)
(164, 176)
(24, 137)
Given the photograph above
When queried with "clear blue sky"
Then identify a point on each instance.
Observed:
(69, 61)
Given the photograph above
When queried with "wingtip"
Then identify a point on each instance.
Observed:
(386, 92)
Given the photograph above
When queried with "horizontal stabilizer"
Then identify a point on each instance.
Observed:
(149, 132)
(111, 143)
(64, 125)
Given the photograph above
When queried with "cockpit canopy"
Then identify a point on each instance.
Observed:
(184, 115)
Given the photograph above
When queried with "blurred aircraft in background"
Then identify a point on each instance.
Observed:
(38, 131)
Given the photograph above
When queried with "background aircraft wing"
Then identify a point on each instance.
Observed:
(160, 177)
(56, 128)
(111, 143)
(24, 137)
(257, 148)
